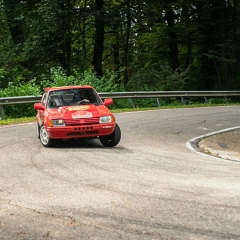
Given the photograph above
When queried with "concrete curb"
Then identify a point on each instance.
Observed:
(192, 143)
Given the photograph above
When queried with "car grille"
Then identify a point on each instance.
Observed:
(81, 121)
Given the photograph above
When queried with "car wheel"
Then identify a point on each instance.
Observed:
(45, 139)
(112, 139)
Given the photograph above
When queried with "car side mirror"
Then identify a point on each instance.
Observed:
(108, 101)
(39, 106)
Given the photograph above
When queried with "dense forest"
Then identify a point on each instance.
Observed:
(147, 45)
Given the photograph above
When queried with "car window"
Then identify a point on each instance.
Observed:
(44, 98)
(73, 97)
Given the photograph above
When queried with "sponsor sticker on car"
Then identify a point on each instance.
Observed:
(77, 108)
(82, 114)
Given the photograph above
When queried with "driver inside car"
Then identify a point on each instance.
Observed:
(81, 97)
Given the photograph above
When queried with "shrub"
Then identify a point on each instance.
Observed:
(105, 84)
(19, 89)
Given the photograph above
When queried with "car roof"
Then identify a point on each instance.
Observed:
(67, 87)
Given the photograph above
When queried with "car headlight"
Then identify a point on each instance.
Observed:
(106, 119)
(57, 123)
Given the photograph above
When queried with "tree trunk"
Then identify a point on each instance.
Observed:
(126, 47)
(99, 38)
(169, 17)
(84, 51)
(14, 21)
(116, 58)
(68, 39)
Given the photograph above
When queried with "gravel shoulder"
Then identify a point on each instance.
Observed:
(224, 145)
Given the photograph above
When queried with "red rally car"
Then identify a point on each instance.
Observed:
(75, 112)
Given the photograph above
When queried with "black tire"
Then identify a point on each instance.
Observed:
(45, 139)
(112, 139)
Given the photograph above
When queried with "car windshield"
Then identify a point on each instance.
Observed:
(72, 97)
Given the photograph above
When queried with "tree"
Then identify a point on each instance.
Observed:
(99, 37)
(151, 44)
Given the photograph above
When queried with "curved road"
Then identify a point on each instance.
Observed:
(151, 186)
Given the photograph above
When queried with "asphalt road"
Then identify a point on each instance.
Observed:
(151, 186)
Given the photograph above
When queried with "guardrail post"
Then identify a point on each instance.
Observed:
(2, 112)
(226, 99)
(206, 100)
(132, 103)
(182, 100)
(158, 102)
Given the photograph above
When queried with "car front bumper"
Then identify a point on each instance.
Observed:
(80, 131)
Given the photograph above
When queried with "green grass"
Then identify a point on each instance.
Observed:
(17, 120)
(33, 119)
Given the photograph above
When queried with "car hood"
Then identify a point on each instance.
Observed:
(82, 111)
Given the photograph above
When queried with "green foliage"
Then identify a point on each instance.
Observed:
(162, 45)
(105, 84)
(158, 78)
(4, 78)
(120, 104)
(58, 77)
(20, 89)
(220, 100)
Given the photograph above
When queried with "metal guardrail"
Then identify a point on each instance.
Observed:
(129, 95)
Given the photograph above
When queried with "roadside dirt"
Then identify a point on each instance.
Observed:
(224, 145)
